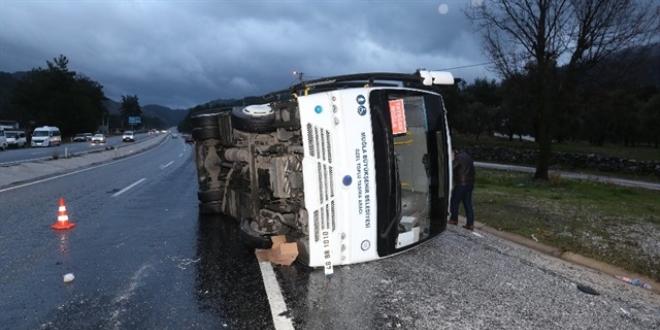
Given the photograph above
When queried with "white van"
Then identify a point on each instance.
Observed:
(46, 136)
(3, 139)
(16, 139)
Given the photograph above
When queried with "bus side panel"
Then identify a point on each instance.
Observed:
(337, 141)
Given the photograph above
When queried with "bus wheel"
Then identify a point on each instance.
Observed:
(258, 121)
(257, 235)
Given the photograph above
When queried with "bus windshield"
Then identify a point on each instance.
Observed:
(411, 173)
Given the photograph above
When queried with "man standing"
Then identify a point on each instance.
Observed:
(464, 174)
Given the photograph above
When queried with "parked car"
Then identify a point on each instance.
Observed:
(80, 137)
(128, 136)
(16, 139)
(98, 138)
(3, 139)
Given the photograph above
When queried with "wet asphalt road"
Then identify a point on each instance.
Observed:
(145, 259)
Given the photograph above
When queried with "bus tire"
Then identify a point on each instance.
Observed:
(209, 120)
(252, 124)
(203, 134)
(259, 239)
(207, 196)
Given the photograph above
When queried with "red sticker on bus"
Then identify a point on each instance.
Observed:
(398, 116)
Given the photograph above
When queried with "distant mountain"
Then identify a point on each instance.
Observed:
(248, 100)
(19, 74)
(634, 66)
(112, 106)
(169, 116)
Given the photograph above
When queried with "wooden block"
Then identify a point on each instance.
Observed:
(277, 240)
(283, 254)
(289, 249)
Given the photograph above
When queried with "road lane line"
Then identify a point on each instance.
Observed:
(162, 167)
(275, 299)
(129, 187)
(180, 155)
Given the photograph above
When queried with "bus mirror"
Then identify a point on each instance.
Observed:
(436, 77)
(426, 75)
(442, 78)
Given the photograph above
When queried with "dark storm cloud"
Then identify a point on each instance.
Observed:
(180, 54)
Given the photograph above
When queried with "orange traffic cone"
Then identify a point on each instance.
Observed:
(62, 218)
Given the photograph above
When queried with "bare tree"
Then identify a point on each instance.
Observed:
(555, 41)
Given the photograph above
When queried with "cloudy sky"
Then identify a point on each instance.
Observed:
(184, 53)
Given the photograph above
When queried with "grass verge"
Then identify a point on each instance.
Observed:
(614, 224)
(640, 152)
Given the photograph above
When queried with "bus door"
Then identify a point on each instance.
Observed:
(411, 148)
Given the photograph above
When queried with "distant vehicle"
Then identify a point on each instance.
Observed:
(81, 137)
(128, 136)
(3, 139)
(16, 139)
(174, 136)
(88, 136)
(46, 136)
(188, 138)
(98, 138)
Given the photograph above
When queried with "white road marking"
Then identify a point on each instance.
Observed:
(129, 187)
(162, 167)
(180, 155)
(275, 299)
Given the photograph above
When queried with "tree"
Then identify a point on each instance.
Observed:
(130, 107)
(59, 97)
(516, 102)
(651, 111)
(484, 103)
(557, 41)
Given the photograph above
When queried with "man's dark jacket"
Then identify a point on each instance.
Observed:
(463, 170)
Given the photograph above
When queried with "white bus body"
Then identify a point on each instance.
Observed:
(350, 169)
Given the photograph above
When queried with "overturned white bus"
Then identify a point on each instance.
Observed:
(352, 168)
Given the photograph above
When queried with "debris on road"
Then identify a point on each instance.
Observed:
(534, 237)
(68, 278)
(588, 290)
(635, 282)
(477, 234)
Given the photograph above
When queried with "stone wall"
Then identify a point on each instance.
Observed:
(565, 161)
